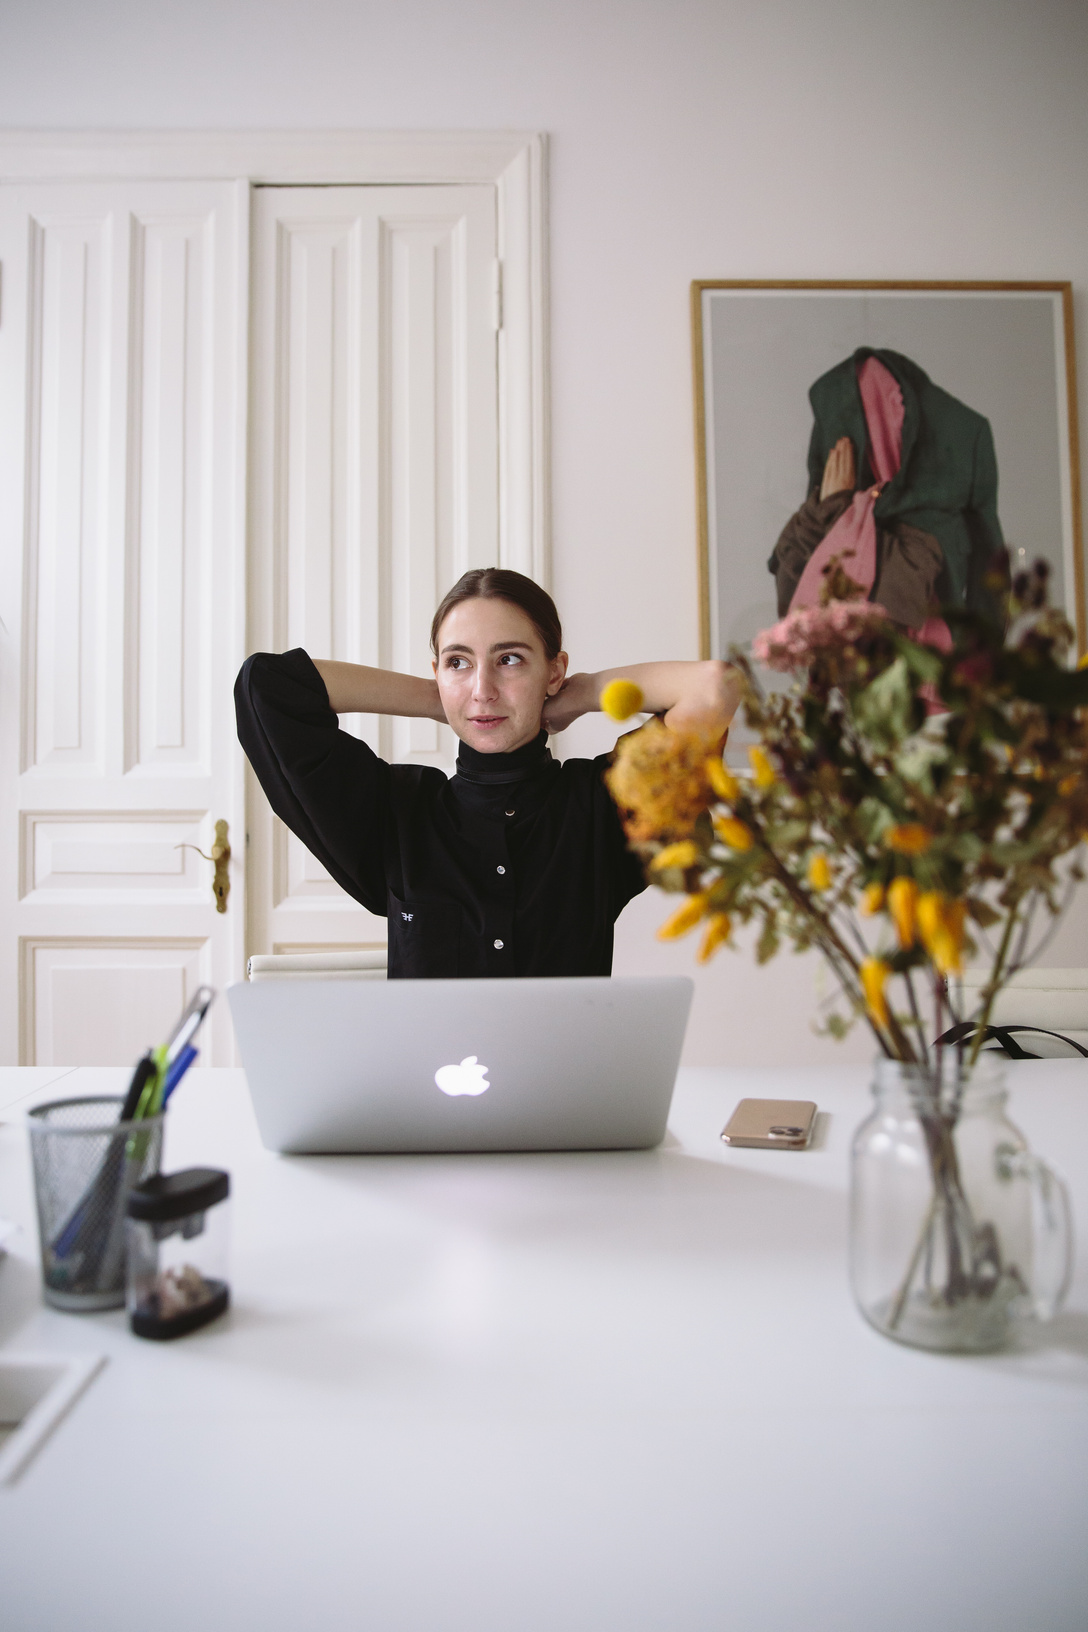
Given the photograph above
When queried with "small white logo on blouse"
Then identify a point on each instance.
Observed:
(407, 916)
(470, 1077)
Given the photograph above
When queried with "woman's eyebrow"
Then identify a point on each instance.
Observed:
(498, 646)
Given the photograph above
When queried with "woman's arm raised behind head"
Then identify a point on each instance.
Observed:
(355, 689)
(699, 697)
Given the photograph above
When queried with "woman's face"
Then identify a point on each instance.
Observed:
(493, 674)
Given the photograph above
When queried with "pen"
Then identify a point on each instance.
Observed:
(176, 1071)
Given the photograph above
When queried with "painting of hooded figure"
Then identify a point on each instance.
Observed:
(902, 486)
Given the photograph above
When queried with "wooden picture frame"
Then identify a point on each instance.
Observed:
(1005, 349)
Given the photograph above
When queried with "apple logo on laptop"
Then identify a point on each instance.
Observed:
(470, 1077)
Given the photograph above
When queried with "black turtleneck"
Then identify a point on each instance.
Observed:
(516, 865)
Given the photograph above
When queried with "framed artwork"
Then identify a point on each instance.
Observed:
(958, 405)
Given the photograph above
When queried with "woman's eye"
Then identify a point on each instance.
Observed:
(510, 658)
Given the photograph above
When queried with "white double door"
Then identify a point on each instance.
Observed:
(231, 419)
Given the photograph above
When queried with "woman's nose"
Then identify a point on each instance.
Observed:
(484, 683)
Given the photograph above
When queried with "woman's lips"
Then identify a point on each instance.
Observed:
(486, 721)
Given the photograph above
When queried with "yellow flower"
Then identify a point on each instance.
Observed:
(658, 780)
(733, 832)
(874, 973)
(908, 838)
(941, 925)
(872, 899)
(902, 901)
(685, 853)
(762, 767)
(717, 933)
(819, 871)
(929, 913)
(620, 699)
(948, 952)
(1068, 786)
(1082, 661)
(683, 919)
(723, 782)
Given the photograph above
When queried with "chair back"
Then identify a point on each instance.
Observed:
(366, 963)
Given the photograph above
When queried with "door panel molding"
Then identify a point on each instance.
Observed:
(514, 161)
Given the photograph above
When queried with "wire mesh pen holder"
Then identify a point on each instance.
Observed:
(86, 1163)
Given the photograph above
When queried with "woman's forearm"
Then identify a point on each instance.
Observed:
(699, 697)
(355, 689)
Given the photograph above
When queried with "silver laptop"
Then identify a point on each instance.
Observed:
(448, 1065)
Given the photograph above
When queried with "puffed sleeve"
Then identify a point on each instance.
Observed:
(332, 790)
(983, 524)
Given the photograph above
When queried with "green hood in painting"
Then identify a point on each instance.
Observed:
(947, 479)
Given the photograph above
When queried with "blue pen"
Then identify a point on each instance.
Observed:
(178, 1069)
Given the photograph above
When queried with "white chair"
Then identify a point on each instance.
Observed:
(369, 964)
(1055, 999)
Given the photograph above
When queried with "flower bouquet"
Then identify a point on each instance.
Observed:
(910, 806)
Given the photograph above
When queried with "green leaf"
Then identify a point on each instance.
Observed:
(923, 661)
(768, 942)
(886, 706)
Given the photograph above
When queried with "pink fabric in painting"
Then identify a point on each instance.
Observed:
(854, 534)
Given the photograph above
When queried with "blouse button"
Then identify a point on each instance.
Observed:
(498, 946)
(500, 869)
(509, 812)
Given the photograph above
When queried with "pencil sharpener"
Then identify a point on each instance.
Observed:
(177, 1233)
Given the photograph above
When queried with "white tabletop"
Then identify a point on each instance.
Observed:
(530, 1393)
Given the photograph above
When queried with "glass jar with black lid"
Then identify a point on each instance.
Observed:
(178, 1238)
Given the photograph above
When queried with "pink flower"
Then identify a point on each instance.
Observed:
(801, 636)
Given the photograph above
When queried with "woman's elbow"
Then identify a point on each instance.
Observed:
(720, 689)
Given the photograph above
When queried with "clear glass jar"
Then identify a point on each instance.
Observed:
(178, 1240)
(957, 1231)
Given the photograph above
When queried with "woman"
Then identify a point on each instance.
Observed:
(516, 865)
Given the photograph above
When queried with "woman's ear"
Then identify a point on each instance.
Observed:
(557, 673)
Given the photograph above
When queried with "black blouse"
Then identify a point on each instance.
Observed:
(516, 865)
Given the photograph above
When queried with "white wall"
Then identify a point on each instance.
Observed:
(845, 138)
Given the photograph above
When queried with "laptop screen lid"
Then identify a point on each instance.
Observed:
(566, 1063)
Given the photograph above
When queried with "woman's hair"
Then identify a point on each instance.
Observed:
(500, 584)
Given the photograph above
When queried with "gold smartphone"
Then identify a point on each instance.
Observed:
(771, 1124)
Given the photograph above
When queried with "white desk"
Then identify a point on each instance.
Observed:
(626, 1393)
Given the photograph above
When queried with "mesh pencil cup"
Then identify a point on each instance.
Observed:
(86, 1161)
(178, 1235)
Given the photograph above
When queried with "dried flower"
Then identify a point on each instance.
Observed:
(683, 919)
(872, 899)
(857, 796)
(659, 781)
(908, 838)
(620, 699)
(802, 635)
(717, 933)
(762, 768)
(819, 871)
(902, 904)
(733, 832)
(684, 853)
(723, 781)
(873, 973)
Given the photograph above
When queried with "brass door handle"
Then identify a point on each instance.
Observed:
(220, 856)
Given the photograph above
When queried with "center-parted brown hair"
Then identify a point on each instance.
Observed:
(500, 584)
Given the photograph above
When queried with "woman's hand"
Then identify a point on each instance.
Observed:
(575, 697)
(840, 473)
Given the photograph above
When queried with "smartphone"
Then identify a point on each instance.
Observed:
(771, 1124)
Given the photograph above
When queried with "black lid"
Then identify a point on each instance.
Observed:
(176, 1195)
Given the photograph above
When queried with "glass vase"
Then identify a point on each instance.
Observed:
(957, 1232)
